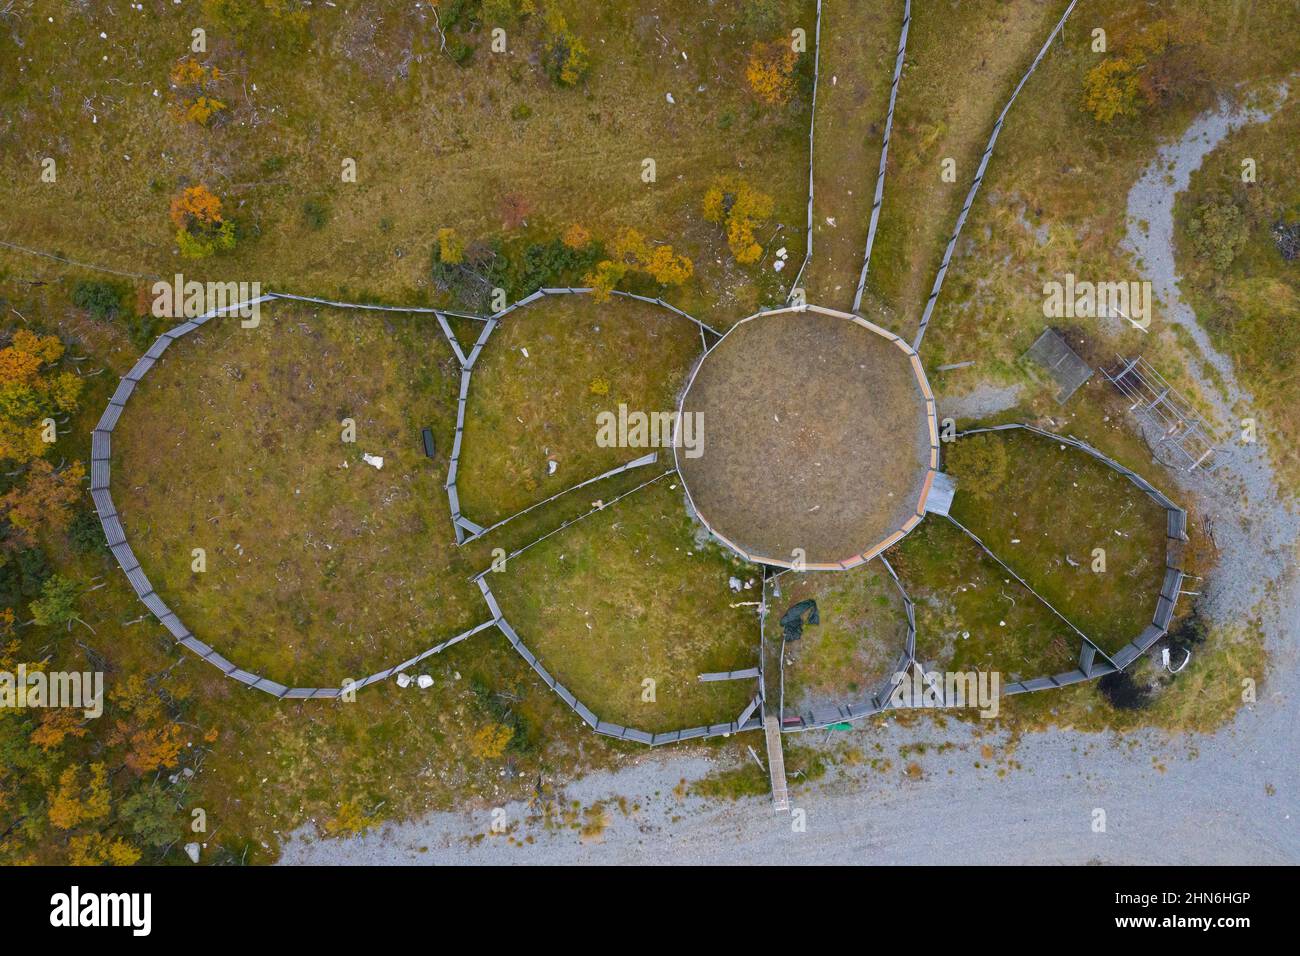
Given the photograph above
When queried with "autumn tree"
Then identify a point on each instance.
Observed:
(490, 741)
(576, 236)
(192, 86)
(1149, 70)
(154, 748)
(770, 71)
(630, 252)
(44, 499)
(564, 56)
(95, 849)
(32, 391)
(740, 209)
(201, 230)
(72, 802)
(450, 249)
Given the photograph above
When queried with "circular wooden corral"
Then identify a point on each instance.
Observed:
(819, 434)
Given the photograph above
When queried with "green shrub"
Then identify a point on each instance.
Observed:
(315, 215)
(103, 300)
(979, 463)
(1218, 232)
(86, 534)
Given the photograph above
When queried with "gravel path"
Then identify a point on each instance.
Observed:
(1231, 797)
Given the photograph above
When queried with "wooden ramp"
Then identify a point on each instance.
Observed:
(776, 764)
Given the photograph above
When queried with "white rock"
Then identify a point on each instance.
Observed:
(403, 680)
(734, 583)
(525, 351)
(551, 466)
(778, 265)
(424, 681)
(781, 253)
(370, 459)
(192, 851)
(669, 97)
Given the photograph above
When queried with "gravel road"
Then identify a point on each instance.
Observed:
(1231, 797)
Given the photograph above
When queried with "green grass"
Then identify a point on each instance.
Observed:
(1058, 504)
(629, 595)
(318, 565)
(962, 62)
(435, 144)
(524, 410)
(859, 43)
(971, 615)
(1059, 171)
(862, 633)
(1252, 309)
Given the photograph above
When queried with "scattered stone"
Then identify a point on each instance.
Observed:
(192, 851)
(370, 459)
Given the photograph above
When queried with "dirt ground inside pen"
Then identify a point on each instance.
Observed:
(814, 437)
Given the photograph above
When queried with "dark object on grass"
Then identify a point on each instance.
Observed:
(1123, 692)
(1287, 237)
(427, 435)
(792, 621)
(1190, 631)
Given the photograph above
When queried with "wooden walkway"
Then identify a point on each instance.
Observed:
(776, 764)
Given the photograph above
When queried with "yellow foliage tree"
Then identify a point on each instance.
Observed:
(770, 71)
(451, 249)
(71, 804)
(629, 250)
(741, 209)
(94, 849)
(192, 82)
(154, 748)
(489, 742)
(56, 725)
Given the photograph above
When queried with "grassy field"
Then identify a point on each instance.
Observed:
(318, 565)
(1055, 505)
(971, 615)
(435, 143)
(1054, 199)
(863, 632)
(316, 571)
(859, 43)
(962, 62)
(629, 595)
(1251, 306)
(547, 372)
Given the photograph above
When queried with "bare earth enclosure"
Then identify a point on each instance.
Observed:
(819, 438)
